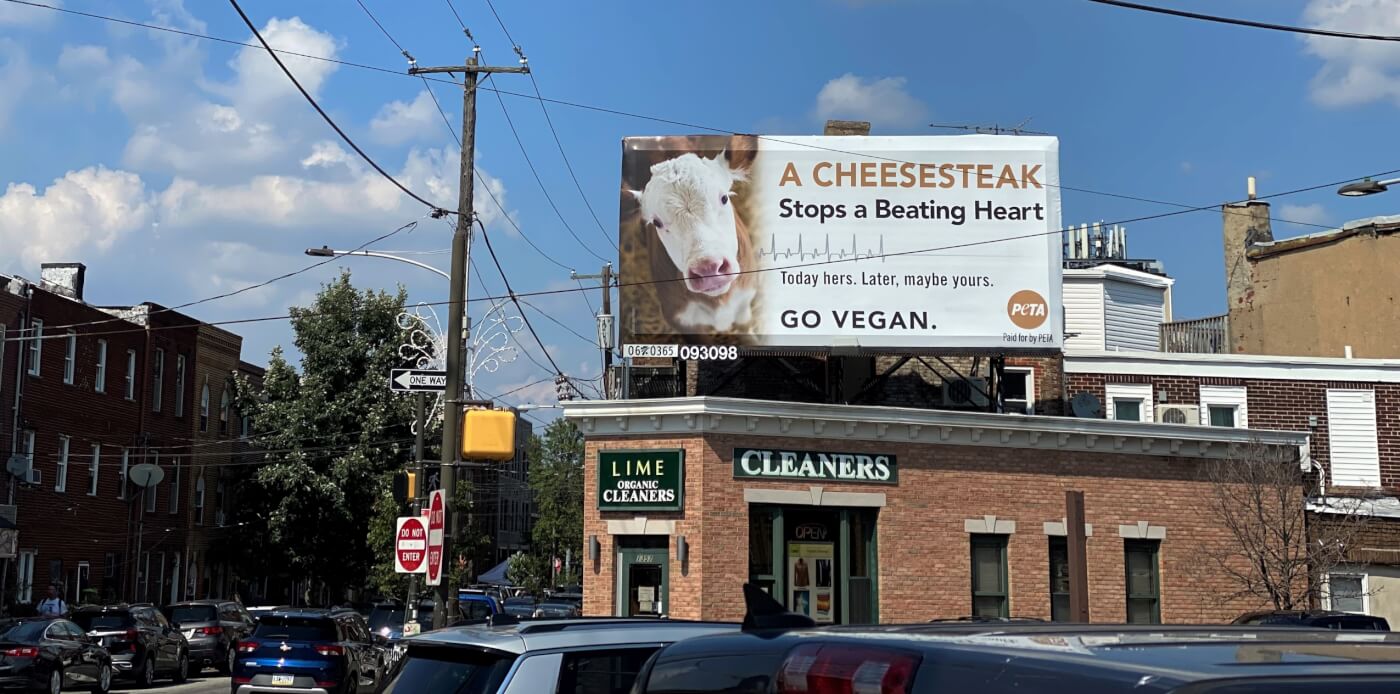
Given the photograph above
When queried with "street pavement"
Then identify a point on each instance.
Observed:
(207, 683)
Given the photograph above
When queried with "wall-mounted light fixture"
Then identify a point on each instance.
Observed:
(594, 548)
(682, 549)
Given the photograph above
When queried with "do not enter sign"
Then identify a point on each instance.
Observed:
(411, 546)
(436, 526)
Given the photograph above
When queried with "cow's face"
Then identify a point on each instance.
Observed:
(689, 202)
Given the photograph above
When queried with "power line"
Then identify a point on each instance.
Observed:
(374, 19)
(436, 211)
(591, 341)
(1246, 22)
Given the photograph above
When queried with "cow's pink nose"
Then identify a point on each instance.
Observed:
(710, 275)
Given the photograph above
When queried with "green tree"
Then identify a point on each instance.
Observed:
(529, 571)
(556, 478)
(333, 435)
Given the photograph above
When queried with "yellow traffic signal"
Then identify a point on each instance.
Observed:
(488, 434)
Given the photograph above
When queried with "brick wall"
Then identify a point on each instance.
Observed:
(924, 556)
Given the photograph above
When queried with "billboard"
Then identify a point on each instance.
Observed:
(822, 242)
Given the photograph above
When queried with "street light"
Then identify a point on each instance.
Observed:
(1366, 187)
(328, 252)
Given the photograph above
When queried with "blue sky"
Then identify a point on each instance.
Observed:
(178, 168)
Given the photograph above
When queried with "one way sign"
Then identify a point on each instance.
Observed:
(417, 380)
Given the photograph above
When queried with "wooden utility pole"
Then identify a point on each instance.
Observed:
(457, 308)
(1077, 547)
(605, 322)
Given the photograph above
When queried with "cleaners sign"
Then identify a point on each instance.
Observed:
(815, 242)
(824, 466)
(641, 480)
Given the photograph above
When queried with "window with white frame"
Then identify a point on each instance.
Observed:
(36, 345)
(70, 357)
(1224, 406)
(100, 380)
(179, 385)
(60, 481)
(223, 412)
(1018, 389)
(174, 506)
(158, 380)
(25, 569)
(1351, 438)
(199, 500)
(28, 449)
(93, 466)
(1346, 592)
(126, 465)
(153, 491)
(204, 406)
(131, 374)
(219, 502)
(1129, 402)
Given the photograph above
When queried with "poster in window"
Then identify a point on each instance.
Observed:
(810, 569)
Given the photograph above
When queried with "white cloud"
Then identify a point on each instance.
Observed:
(1187, 167)
(15, 15)
(882, 100)
(398, 122)
(84, 210)
(1304, 214)
(258, 83)
(327, 154)
(84, 57)
(17, 77)
(1354, 72)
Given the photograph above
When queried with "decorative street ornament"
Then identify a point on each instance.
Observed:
(492, 346)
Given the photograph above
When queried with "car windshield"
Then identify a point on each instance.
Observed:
(189, 614)
(96, 621)
(296, 628)
(449, 671)
(392, 616)
(22, 631)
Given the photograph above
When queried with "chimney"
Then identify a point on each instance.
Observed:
(847, 127)
(63, 278)
(1245, 224)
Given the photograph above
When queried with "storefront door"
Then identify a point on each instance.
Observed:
(642, 576)
(820, 562)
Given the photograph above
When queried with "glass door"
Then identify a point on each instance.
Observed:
(643, 564)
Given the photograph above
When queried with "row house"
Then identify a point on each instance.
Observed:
(1350, 409)
(100, 391)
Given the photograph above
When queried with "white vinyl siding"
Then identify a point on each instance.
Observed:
(1351, 437)
(1226, 396)
(1132, 316)
(1084, 315)
(1140, 393)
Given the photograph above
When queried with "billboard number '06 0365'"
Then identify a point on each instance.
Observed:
(699, 352)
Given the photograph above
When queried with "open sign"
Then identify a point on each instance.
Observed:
(810, 531)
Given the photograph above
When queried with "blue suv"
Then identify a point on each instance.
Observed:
(309, 651)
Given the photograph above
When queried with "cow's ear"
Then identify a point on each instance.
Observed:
(738, 172)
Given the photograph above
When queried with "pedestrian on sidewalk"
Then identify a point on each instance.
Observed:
(53, 606)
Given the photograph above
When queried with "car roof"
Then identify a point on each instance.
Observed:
(549, 634)
(299, 612)
(212, 603)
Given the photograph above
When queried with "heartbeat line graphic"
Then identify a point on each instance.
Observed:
(802, 252)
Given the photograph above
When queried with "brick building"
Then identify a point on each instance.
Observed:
(966, 517)
(106, 389)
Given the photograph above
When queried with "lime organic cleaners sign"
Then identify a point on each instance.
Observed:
(641, 480)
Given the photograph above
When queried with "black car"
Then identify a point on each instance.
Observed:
(211, 627)
(520, 607)
(144, 645)
(309, 650)
(780, 652)
(1318, 619)
(51, 655)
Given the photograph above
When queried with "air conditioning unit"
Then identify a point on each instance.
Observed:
(971, 392)
(1179, 414)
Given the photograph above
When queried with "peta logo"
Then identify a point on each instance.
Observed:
(1027, 309)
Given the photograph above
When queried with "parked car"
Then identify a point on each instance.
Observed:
(510, 657)
(387, 619)
(1323, 619)
(211, 628)
(308, 650)
(51, 655)
(258, 611)
(782, 652)
(520, 607)
(475, 606)
(557, 609)
(144, 645)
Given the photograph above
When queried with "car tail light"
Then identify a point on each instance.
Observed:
(846, 669)
(247, 646)
(209, 631)
(22, 652)
(242, 680)
(329, 649)
(326, 684)
(131, 635)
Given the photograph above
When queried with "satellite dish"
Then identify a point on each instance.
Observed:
(18, 465)
(145, 475)
(1085, 405)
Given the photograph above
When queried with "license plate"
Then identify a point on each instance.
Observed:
(282, 680)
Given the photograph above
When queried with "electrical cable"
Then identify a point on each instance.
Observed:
(591, 342)
(1246, 22)
(436, 211)
(374, 19)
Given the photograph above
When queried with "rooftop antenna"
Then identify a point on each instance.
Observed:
(993, 129)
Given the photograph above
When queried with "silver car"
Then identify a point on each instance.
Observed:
(509, 657)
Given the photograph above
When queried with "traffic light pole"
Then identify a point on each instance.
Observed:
(415, 505)
(457, 308)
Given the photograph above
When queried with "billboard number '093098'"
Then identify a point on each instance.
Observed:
(813, 242)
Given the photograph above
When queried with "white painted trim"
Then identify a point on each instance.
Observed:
(1057, 529)
(1226, 396)
(1233, 366)
(1355, 571)
(989, 525)
(1120, 274)
(1142, 530)
(641, 525)
(814, 496)
(1029, 371)
(1130, 391)
(671, 417)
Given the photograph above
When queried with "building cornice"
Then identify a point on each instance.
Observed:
(671, 417)
(1122, 274)
(1234, 366)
